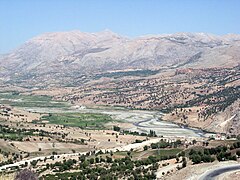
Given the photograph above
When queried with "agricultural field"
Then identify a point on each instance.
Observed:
(38, 126)
(160, 153)
(82, 120)
(16, 99)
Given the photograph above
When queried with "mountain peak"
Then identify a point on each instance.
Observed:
(107, 32)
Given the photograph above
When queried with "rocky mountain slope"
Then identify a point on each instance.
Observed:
(206, 98)
(193, 77)
(228, 121)
(72, 53)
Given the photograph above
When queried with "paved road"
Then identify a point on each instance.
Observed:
(211, 175)
(128, 147)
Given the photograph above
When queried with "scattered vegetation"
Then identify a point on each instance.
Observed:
(120, 74)
(221, 153)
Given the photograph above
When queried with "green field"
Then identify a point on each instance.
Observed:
(166, 152)
(19, 100)
(83, 120)
(145, 154)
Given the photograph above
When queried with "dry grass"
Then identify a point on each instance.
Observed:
(7, 176)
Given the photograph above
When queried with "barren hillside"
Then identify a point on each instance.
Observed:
(72, 54)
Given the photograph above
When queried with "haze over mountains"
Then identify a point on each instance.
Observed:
(73, 53)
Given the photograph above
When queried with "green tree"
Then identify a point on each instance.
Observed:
(145, 148)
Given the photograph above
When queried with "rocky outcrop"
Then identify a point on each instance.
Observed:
(227, 122)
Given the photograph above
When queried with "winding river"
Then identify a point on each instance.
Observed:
(137, 120)
(144, 121)
(140, 120)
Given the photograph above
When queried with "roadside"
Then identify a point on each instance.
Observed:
(194, 172)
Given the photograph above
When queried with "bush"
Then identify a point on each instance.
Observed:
(116, 128)
(196, 159)
(34, 163)
(238, 153)
(184, 162)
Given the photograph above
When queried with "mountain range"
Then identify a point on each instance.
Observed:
(73, 53)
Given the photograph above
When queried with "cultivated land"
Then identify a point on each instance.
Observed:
(59, 136)
(62, 134)
(165, 107)
(203, 98)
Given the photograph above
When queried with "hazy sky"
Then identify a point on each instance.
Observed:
(21, 20)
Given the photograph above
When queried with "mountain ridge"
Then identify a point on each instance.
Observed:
(82, 52)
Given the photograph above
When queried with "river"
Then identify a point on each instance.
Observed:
(142, 120)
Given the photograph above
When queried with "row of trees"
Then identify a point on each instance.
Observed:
(221, 153)
(165, 144)
(103, 166)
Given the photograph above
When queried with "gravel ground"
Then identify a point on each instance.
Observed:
(193, 172)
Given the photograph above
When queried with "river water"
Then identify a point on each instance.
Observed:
(142, 120)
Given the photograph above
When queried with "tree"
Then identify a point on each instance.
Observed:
(182, 153)
(97, 160)
(91, 161)
(109, 160)
(207, 158)
(145, 148)
(82, 141)
(192, 151)
(116, 128)
(84, 164)
(194, 141)
(196, 158)
(152, 134)
(34, 163)
(184, 162)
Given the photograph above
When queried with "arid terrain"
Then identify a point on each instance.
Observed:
(79, 105)
(204, 98)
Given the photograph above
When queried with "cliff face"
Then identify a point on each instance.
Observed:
(229, 120)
